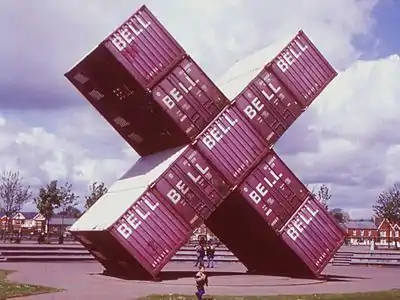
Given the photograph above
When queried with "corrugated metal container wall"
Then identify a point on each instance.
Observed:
(241, 228)
(313, 234)
(151, 232)
(190, 98)
(274, 191)
(303, 69)
(231, 144)
(286, 205)
(192, 186)
(179, 105)
(132, 229)
(144, 47)
(270, 106)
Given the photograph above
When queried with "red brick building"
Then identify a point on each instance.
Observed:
(380, 230)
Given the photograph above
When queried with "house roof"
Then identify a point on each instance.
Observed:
(57, 220)
(29, 215)
(361, 225)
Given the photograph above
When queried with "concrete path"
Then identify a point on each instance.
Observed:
(82, 281)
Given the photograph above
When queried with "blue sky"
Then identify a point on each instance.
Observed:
(48, 131)
(387, 15)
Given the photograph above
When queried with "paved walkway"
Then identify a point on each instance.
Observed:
(82, 281)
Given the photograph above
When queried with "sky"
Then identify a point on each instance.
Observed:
(348, 139)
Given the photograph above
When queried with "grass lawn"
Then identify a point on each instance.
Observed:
(388, 295)
(10, 289)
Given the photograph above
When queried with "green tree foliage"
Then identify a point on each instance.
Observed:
(13, 194)
(340, 215)
(96, 190)
(54, 196)
(388, 204)
(323, 195)
(70, 212)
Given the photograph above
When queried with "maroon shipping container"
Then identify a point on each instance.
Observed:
(313, 235)
(280, 249)
(302, 69)
(178, 109)
(274, 191)
(166, 110)
(231, 144)
(152, 210)
(190, 98)
(280, 93)
(144, 47)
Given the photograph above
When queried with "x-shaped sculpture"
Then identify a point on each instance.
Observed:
(204, 158)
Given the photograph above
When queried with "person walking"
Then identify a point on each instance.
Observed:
(200, 256)
(210, 255)
(201, 281)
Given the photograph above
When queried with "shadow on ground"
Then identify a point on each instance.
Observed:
(340, 278)
(170, 275)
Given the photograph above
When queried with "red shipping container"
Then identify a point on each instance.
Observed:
(286, 233)
(144, 47)
(278, 95)
(274, 191)
(166, 108)
(231, 144)
(302, 69)
(313, 235)
(152, 210)
(178, 109)
(189, 96)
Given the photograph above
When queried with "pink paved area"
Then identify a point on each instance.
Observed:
(82, 281)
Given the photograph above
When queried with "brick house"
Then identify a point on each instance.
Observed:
(380, 230)
(388, 232)
(28, 222)
(361, 232)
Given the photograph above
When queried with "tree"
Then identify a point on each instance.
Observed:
(387, 205)
(323, 195)
(13, 194)
(340, 215)
(67, 199)
(70, 212)
(52, 197)
(96, 190)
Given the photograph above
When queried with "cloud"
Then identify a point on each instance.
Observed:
(41, 47)
(357, 124)
(347, 139)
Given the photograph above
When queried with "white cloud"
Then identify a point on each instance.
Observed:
(357, 121)
(348, 136)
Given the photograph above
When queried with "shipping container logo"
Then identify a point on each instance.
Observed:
(290, 55)
(301, 220)
(127, 33)
(133, 218)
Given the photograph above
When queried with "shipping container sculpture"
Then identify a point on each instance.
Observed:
(205, 159)
(140, 74)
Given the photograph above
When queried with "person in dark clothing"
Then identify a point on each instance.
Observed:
(201, 281)
(200, 256)
(210, 255)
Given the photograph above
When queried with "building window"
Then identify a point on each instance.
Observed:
(382, 234)
(396, 234)
(362, 232)
(370, 233)
(354, 232)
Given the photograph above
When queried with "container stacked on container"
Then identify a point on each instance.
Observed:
(145, 85)
(286, 230)
(158, 98)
